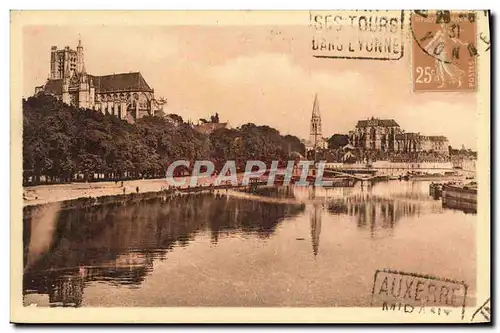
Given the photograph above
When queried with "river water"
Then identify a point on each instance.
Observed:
(277, 247)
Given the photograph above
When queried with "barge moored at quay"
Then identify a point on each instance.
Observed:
(460, 196)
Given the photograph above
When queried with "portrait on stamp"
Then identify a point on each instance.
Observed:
(444, 50)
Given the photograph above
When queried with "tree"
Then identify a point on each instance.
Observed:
(337, 141)
(175, 117)
(293, 144)
(62, 143)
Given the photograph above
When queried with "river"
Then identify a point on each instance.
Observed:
(278, 247)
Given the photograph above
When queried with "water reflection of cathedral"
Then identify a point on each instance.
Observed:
(375, 212)
(66, 291)
(66, 287)
(119, 243)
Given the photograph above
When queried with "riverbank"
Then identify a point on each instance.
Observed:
(45, 194)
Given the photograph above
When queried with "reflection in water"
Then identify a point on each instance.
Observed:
(376, 212)
(315, 216)
(373, 210)
(117, 245)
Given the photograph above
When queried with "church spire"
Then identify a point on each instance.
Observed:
(315, 112)
(316, 141)
(315, 121)
(315, 219)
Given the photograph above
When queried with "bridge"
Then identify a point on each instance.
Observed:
(357, 177)
(321, 199)
(381, 172)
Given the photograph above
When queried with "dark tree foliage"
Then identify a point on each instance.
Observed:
(338, 141)
(62, 143)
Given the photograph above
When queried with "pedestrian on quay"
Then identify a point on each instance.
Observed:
(137, 189)
(124, 190)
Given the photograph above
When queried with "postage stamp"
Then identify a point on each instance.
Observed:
(444, 50)
(418, 293)
(364, 34)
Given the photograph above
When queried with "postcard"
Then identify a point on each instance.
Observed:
(250, 166)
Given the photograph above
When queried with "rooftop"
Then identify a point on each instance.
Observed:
(208, 128)
(437, 138)
(123, 82)
(53, 87)
(374, 122)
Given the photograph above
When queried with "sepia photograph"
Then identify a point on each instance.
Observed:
(250, 166)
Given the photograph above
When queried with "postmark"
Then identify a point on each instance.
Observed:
(444, 50)
(483, 313)
(362, 34)
(418, 294)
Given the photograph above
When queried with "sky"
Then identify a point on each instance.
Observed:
(261, 73)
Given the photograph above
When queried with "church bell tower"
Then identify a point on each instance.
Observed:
(315, 134)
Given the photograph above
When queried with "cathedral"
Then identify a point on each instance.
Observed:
(316, 141)
(386, 135)
(126, 95)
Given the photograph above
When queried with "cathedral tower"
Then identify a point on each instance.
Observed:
(84, 88)
(65, 89)
(62, 62)
(80, 63)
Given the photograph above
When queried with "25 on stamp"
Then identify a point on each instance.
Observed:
(444, 51)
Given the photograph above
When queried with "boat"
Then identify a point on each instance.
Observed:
(435, 177)
(460, 196)
(404, 177)
(435, 190)
(340, 181)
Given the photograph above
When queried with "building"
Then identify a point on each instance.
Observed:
(125, 95)
(208, 128)
(316, 140)
(375, 134)
(408, 142)
(385, 135)
(437, 143)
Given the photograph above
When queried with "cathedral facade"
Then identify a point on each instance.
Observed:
(126, 95)
(386, 135)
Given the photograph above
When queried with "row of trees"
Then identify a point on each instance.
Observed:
(62, 142)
